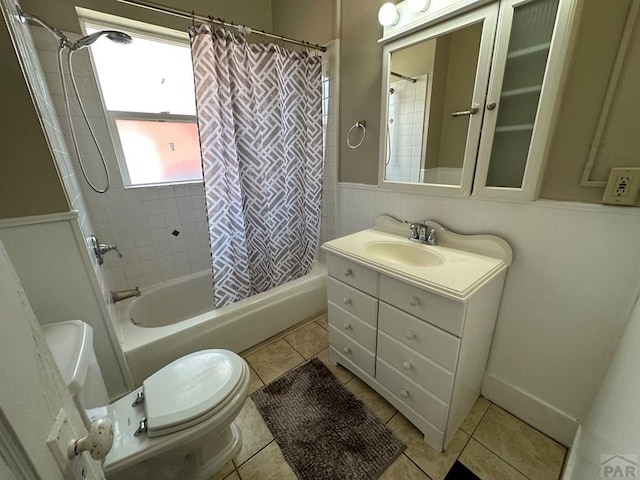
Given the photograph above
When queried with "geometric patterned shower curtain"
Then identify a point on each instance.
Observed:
(260, 124)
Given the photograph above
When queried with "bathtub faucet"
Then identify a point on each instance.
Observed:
(120, 295)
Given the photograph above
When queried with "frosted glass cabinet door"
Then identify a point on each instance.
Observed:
(515, 120)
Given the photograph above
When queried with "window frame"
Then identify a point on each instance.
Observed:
(150, 32)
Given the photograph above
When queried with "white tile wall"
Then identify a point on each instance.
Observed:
(568, 293)
(405, 127)
(140, 221)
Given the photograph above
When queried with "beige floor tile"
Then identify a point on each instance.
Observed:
(274, 359)
(255, 433)
(269, 464)
(383, 409)
(403, 469)
(233, 476)
(254, 382)
(225, 471)
(535, 455)
(475, 415)
(435, 464)
(309, 340)
(323, 321)
(485, 464)
(341, 373)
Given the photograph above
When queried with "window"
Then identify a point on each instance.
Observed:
(148, 95)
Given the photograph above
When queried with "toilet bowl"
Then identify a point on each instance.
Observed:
(177, 425)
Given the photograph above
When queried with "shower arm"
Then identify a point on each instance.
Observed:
(24, 17)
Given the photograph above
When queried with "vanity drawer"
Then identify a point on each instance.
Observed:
(412, 394)
(353, 301)
(352, 273)
(433, 343)
(352, 350)
(439, 311)
(352, 327)
(421, 370)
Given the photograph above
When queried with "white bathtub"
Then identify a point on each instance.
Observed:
(177, 317)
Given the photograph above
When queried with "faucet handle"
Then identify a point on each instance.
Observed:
(104, 248)
(414, 231)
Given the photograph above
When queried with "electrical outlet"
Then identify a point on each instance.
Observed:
(623, 187)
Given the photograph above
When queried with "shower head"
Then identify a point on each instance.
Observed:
(118, 37)
(113, 35)
(26, 17)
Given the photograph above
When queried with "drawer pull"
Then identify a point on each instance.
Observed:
(346, 350)
(410, 335)
(404, 393)
(346, 300)
(414, 301)
(346, 325)
(406, 365)
(347, 272)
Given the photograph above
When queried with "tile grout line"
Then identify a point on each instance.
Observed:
(529, 426)
(480, 421)
(252, 456)
(504, 460)
(298, 352)
(416, 465)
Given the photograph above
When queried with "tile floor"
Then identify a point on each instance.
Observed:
(491, 443)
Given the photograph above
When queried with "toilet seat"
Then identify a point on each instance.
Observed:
(190, 390)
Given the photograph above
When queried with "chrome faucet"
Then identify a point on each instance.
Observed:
(99, 249)
(423, 233)
(120, 295)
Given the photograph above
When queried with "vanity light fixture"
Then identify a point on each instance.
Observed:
(417, 6)
(388, 15)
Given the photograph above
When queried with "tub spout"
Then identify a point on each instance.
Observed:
(124, 294)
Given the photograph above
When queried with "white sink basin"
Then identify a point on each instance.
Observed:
(404, 254)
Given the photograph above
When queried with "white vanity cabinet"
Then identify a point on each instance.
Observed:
(422, 350)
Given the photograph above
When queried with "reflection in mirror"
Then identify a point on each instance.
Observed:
(429, 101)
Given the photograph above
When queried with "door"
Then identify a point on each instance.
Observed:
(33, 397)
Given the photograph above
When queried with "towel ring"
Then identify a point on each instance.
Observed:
(363, 125)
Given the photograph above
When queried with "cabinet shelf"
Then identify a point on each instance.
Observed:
(542, 47)
(521, 91)
(515, 128)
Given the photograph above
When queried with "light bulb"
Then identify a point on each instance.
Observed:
(417, 6)
(388, 15)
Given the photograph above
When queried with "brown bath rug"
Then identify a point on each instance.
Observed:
(323, 430)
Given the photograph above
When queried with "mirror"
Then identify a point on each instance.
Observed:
(431, 115)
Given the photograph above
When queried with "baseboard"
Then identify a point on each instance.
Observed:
(569, 465)
(534, 411)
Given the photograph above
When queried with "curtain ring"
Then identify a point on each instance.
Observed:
(361, 124)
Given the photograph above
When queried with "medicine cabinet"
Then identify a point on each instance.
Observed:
(468, 99)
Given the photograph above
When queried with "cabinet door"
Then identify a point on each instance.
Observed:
(526, 68)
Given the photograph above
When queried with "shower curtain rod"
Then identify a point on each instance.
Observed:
(218, 21)
(404, 77)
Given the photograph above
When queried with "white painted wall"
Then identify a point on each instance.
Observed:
(566, 299)
(32, 393)
(612, 426)
(50, 257)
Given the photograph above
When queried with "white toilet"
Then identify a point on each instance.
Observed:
(189, 407)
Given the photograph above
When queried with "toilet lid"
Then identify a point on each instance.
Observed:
(189, 388)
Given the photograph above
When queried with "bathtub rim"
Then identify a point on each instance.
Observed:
(133, 337)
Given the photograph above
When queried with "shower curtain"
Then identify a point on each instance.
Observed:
(260, 124)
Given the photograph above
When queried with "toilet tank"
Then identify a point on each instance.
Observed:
(72, 348)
